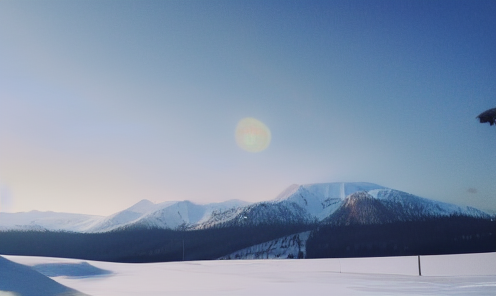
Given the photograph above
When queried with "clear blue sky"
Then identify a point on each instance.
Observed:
(105, 103)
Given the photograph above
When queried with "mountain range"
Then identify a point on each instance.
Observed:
(323, 203)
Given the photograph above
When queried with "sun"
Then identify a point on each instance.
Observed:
(252, 135)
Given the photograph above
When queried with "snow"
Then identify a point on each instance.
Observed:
(185, 213)
(25, 281)
(171, 214)
(469, 274)
(290, 246)
(82, 269)
(168, 214)
(322, 199)
(416, 204)
(473, 264)
(36, 220)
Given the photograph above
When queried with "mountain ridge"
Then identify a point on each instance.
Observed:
(334, 203)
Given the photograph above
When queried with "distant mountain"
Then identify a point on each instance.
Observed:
(325, 203)
(123, 217)
(166, 215)
(338, 203)
(36, 220)
(321, 200)
(360, 208)
(298, 204)
(262, 213)
(379, 206)
(408, 206)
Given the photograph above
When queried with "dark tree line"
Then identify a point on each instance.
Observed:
(142, 245)
(448, 235)
(435, 236)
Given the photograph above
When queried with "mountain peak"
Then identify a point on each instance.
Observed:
(361, 208)
(339, 189)
(142, 206)
(286, 193)
(335, 203)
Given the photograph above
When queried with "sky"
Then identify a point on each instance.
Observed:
(106, 103)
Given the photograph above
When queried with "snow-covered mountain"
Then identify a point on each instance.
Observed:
(321, 200)
(338, 203)
(410, 206)
(36, 220)
(168, 215)
(123, 217)
(389, 205)
(360, 208)
(297, 204)
(261, 213)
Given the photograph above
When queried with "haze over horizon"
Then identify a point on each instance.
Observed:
(106, 103)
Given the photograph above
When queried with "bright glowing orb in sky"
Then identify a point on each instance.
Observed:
(252, 135)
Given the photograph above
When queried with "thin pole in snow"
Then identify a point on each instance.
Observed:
(420, 271)
(183, 249)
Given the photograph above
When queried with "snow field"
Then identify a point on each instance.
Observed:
(470, 274)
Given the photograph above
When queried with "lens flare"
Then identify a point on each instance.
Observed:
(252, 135)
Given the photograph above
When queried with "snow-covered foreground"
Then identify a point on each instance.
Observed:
(471, 274)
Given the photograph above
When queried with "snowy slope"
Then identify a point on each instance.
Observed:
(128, 216)
(144, 213)
(388, 205)
(410, 206)
(25, 281)
(322, 199)
(181, 214)
(360, 208)
(262, 213)
(297, 204)
(288, 247)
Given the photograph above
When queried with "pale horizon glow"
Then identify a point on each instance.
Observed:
(106, 103)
